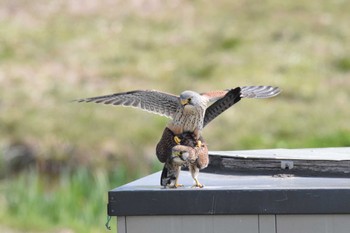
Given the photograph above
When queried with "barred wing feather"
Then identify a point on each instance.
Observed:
(149, 100)
(259, 91)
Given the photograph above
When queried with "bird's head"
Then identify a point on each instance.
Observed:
(180, 153)
(190, 98)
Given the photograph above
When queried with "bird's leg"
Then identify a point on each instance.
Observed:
(194, 173)
(198, 185)
(176, 185)
(177, 140)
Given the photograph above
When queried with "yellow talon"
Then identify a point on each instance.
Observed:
(197, 185)
(199, 143)
(177, 140)
(176, 185)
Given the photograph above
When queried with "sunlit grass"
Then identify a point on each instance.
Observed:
(74, 201)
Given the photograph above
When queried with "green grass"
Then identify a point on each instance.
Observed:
(53, 52)
(71, 201)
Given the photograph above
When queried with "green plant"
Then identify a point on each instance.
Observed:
(75, 201)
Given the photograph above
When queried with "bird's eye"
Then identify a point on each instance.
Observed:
(189, 99)
(180, 153)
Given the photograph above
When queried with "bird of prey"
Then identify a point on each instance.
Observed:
(186, 154)
(167, 149)
(187, 111)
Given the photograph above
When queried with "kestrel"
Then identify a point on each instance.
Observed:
(165, 144)
(187, 110)
(186, 154)
(168, 149)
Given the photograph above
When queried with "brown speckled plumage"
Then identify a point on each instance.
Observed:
(189, 154)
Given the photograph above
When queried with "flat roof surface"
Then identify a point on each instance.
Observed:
(232, 194)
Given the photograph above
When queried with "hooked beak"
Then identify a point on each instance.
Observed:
(184, 102)
(177, 153)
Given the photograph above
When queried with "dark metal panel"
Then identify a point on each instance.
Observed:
(232, 194)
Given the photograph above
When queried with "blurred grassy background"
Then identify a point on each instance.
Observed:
(58, 159)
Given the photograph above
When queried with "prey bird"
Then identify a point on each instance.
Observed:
(186, 154)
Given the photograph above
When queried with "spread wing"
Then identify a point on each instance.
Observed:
(258, 92)
(225, 99)
(230, 98)
(149, 100)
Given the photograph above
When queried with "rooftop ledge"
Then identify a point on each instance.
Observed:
(274, 181)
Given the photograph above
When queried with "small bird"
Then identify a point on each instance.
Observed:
(194, 157)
